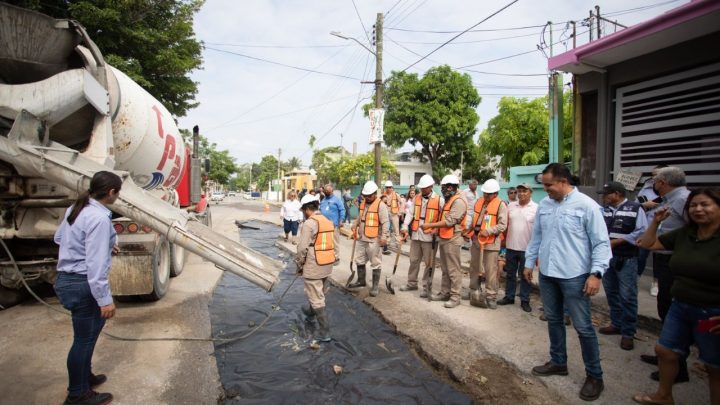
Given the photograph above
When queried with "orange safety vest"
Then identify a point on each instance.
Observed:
(491, 213)
(447, 232)
(324, 240)
(394, 207)
(372, 219)
(431, 211)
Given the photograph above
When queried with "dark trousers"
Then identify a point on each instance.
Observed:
(514, 265)
(661, 268)
(73, 291)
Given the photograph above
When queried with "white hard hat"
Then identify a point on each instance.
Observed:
(490, 186)
(308, 198)
(388, 183)
(426, 181)
(450, 179)
(369, 188)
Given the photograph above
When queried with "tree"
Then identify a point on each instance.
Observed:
(265, 171)
(153, 42)
(477, 165)
(356, 170)
(519, 132)
(222, 165)
(243, 177)
(435, 113)
(311, 141)
(324, 162)
(291, 164)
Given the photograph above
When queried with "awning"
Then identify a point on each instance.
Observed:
(692, 20)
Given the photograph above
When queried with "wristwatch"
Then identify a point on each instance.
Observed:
(597, 274)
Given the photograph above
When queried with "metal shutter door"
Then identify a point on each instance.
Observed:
(674, 120)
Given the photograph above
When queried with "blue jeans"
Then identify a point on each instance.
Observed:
(559, 292)
(73, 291)
(514, 264)
(290, 226)
(680, 331)
(620, 282)
(643, 255)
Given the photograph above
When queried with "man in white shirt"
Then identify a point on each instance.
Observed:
(521, 217)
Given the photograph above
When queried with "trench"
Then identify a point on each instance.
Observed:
(366, 362)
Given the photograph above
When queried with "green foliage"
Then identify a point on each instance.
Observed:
(151, 41)
(324, 161)
(222, 165)
(477, 165)
(519, 132)
(311, 141)
(291, 164)
(264, 172)
(349, 171)
(435, 113)
(243, 178)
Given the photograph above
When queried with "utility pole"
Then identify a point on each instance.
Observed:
(590, 22)
(279, 177)
(597, 14)
(378, 92)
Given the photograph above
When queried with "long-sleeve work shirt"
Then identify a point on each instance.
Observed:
(569, 237)
(86, 247)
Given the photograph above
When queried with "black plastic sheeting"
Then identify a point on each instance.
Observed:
(275, 365)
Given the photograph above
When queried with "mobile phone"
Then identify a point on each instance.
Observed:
(642, 199)
(704, 325)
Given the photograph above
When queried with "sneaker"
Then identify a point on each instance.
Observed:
(424, 294)
(654, 289)
(409, 288)
(506, 301)
(90, 398)
(525, 306)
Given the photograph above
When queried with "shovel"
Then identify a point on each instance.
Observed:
(477, 298)
(431, 268)
(352, 260)
(389, 281)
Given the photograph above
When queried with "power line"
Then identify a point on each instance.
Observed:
(471, 42)
(273, 46)
(411, 12)
(393, 7)
(284, 89)
(640, 8)
(505, 74)
(458, 35)
(455, 32)
(335, 125)
(304, 69)
(362, 24)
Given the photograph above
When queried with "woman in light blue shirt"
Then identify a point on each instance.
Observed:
(87, 240)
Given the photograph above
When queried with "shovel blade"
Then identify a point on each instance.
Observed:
(389, 286)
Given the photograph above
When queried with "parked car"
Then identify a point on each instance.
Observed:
(217, 197)
(231, 194)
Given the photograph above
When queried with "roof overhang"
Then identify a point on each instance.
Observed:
(689, 21)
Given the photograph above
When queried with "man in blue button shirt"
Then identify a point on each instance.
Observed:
(571, 242)
(333, 209)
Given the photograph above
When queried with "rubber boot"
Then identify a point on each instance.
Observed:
(309, 312)
(323, 334)
(375, 290)
(360, 277)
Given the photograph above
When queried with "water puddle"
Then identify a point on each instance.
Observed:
(365, 363)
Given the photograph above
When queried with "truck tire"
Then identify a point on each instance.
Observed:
(161, 271)
(10, 298)
(177, 259)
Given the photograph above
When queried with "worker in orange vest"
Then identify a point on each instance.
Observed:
(450, 227)
(486, 229)
(315, 257)
(371, 228)
(392, 199)
(424, 208)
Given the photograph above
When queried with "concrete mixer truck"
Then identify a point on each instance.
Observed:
(66, 114)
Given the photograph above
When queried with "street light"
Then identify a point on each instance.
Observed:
(340, 35)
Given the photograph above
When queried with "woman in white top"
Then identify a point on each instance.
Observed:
(291, 215)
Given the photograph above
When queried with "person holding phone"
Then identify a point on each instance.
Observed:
(87, 239)
(694, 315)
(649, 199)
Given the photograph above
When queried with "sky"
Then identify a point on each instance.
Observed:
(253, 107)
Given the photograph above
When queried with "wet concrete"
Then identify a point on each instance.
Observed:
(276, 364)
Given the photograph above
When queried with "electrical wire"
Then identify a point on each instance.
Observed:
(362, 24)
(304, 69)
(458, 35)
(334, 125)
(481, 30)
(393, 7)
(284, 89)
(640, 8)
(410, 13)
(469, 42)
(274, 46)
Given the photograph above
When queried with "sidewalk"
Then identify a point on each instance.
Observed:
(495, 350)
